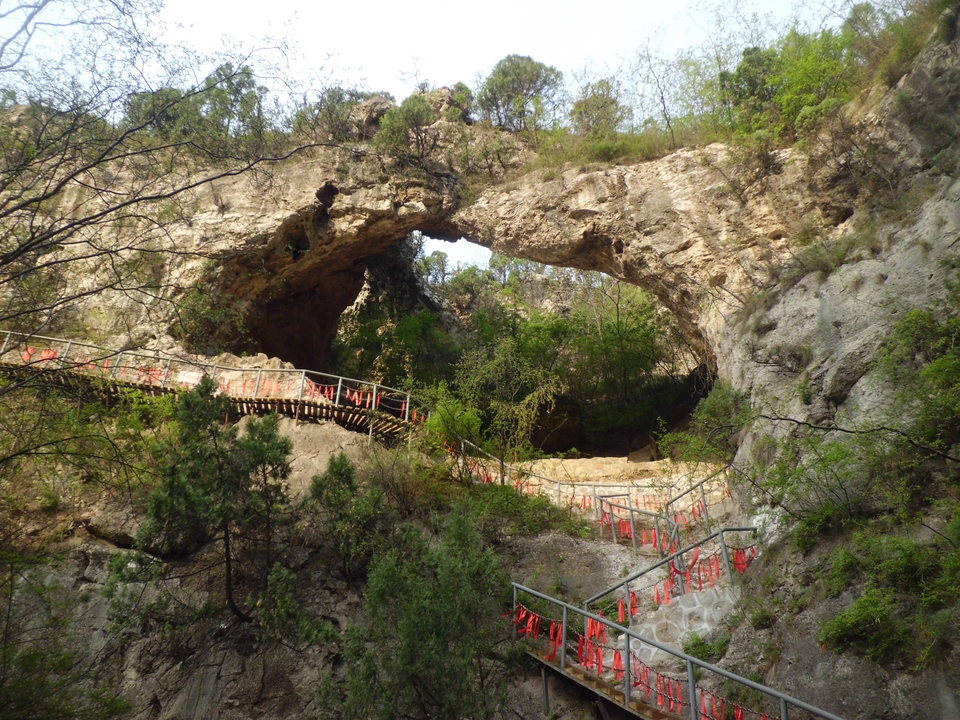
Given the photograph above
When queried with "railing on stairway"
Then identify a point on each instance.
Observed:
(671, 561)
(356, 403)
(632, 684)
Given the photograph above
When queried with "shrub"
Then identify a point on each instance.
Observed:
(707, 650)
(870, 626)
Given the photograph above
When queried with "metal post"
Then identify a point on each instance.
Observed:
(371, 409)
(336, 400)
(514, 597)
(166, 373)
(6, 339)
(66, 353)
(558, 494)
(633, 531)
(563, 638)
(627, 671)
(256, 388)
(113, 373)
(692, 684)
(406, 413)
(303, 384)
(726, 556)
(546, 691)
(703, 498)
(784, 710)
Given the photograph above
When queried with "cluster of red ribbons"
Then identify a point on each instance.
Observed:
(700, 572)
(714, 707)
(46, 355)
(656, 687)
(622, 608)
(480, 471)
(529, 625)
(585, 502)
(742, 557)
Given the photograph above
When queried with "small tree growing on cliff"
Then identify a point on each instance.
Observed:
(520, 94)
(218, 484)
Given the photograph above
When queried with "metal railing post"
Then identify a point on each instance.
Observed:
(627, 670)
(726, 557)
(703, 499)
(66, 352)
(336, 400)
(256, 388)
(563, 638)
(166, 373)
(633, 531)
(692, 685)
(406, 413)
(303, 384)
(784, 709)
(6, 339)
(113, 372)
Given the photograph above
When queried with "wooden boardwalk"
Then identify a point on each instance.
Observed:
(357, 405)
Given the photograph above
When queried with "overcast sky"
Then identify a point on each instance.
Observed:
(391, 46)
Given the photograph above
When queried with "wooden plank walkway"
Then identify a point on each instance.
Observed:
(357, 405)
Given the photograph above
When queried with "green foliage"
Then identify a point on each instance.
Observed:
(396, 347)
(41, 677)
(908, 609)
(921, 358)
(598, 111)
(431, 611)
(280, 613)
(357, 516)
(510, 391)
(520, 94)
(762, 618)
(707, 650)
(451, 420)
(407, 132)
(870, 626)
(329, 115)
(500, 509)
(714, 427)
(226, 111)
(216, 483)
(207, 322)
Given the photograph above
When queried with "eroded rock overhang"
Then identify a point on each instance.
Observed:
(680, 227)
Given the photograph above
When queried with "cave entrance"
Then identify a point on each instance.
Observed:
(407, 307)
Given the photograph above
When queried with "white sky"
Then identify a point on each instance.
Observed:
(384, 45)
(391, 46)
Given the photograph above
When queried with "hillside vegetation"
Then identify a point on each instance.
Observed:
(205, 539)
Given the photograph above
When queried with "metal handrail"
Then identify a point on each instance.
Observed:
(692, 663)
(640, 573)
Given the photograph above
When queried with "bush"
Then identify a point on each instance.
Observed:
(707, 650)
(870, 626)
(714, 428)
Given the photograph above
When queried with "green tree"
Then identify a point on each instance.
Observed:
(357, 515)
(407, 131)
(520, 94)
(598, 110)
(329, 115)
(431, 611)
(218, 484)
(510, 391)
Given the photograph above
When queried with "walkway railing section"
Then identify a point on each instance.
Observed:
(605, 656)
(295, 392)
(689, 569)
